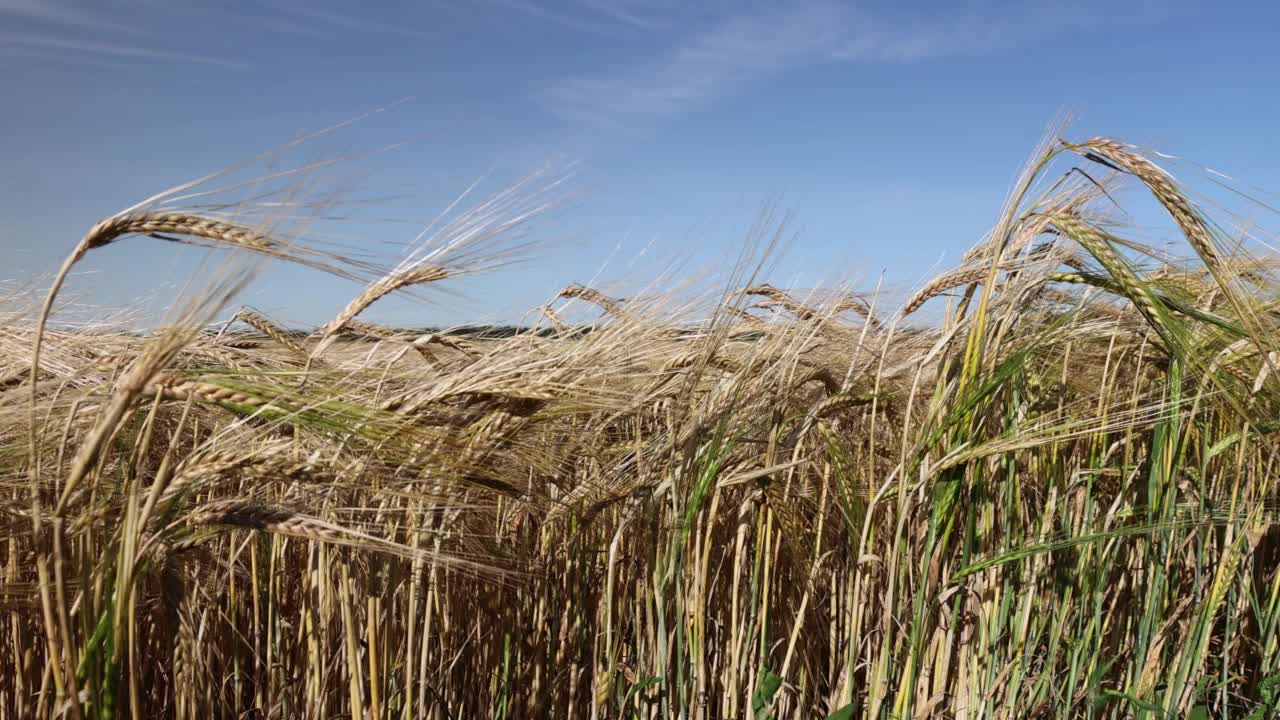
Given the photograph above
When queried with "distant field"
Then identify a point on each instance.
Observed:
(1052, 497)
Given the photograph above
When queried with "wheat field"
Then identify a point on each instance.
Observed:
(1051, 497)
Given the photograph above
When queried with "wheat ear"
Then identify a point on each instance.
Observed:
(378, 289)
(591, 295)
(260, 323)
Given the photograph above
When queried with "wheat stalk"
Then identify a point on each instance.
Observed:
(378, 289)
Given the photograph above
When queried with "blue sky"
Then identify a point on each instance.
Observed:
(890, 130)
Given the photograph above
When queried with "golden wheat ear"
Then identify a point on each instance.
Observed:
(480, 239)
(612, 306)
(277, 334)
(174, 227)
(371, 294)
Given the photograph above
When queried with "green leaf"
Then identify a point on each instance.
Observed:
(639, 687)
(1269, 689)
(844, 713)
(1136, 702)
(762, 700)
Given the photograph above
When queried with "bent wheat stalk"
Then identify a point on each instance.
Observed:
(100, 235)
(376, 291)
(610, 305)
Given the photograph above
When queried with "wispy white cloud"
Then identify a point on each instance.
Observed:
(290, 26)
(626, 13)
(36, 27)
(616, 17)
(58, 60)
(705, 65)
(141, 31)
(743, 46)
(573, 20)
(54, 14)
(308, 19)
(110, 49)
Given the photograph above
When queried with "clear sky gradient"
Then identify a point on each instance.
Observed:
(891, 130)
